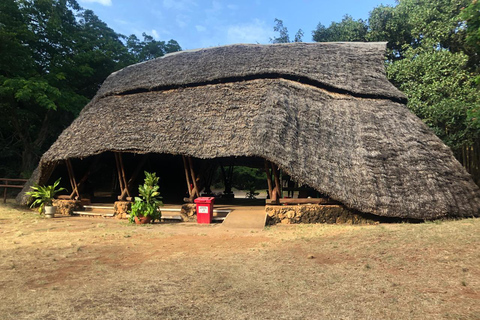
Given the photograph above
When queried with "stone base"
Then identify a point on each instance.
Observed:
(66, 207)
(121, 208)
(314, 213)
(189, 212)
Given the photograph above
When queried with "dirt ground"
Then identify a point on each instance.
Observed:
(93, 268)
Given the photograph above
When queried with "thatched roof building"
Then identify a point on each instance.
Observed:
(323, 112)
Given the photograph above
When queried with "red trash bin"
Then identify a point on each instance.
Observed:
(204, 209)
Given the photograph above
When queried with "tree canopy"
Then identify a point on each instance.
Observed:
(433, 52)
(55, 55)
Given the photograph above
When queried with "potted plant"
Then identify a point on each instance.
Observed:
(43, 197)
(146, 208)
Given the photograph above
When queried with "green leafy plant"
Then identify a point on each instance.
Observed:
(149, 201)
(43, 196)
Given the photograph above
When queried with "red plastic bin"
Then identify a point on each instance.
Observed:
(204, 209)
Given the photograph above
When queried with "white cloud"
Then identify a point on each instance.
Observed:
(102, 2)
(200, 28)
(256, 32)
(179, 4)
(155, 34)
(182, 20)
(232, 6)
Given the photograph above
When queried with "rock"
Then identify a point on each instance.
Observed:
(314, 213)
(66, 207)
(121, 208)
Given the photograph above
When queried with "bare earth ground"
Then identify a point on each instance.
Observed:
(92, 268)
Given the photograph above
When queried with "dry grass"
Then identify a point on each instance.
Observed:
(88, 268)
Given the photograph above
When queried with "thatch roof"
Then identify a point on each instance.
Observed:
(323, 112)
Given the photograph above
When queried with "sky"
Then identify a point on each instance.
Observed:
(207, 23)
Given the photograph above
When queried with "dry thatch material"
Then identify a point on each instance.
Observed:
(325, 113)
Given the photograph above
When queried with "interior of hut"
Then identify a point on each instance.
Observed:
(248, 181)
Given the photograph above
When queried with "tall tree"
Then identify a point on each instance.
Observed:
(283, 36)
(348, 29)
(150, 48)
(432, 58)
(54, 56)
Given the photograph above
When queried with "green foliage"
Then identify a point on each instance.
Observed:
(150, 48)
(283, 36)
(348, 29)
(149, 202)
(430, 58)
(246, 178)
(55, 55)
(43, 196)
(471, 15)
(441, 91)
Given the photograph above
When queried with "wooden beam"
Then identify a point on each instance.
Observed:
(5, 192)
(11, 186)
(278, 187)
(187, 176)
(123, 180)
(192, 172)
(73, 182)
(86, 175)
(134, 176)
(122, 168)
(269, 178)
(119, 173)
(324, 201)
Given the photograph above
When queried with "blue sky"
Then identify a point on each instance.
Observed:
(207, 23)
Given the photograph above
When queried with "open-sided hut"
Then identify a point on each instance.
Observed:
(325, 113)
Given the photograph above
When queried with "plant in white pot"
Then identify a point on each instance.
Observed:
(43, 198)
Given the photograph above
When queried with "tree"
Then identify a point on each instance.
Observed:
(283, 36)
(150, 48)
(432, 57)
(348, 29)
(471, 17)
(55, 55)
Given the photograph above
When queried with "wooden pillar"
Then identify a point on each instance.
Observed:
(187, 176)
(191, 179)
(194, 178)
(133, 177)
(277, 190)
(80, 184)
(121, 177)
(5, 192)
(269, 179)
(73, 182)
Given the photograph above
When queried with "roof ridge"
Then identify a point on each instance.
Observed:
(290, 77)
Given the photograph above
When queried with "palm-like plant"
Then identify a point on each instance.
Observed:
(43, 196)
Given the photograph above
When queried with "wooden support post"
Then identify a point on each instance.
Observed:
(187, 176)
(85, 176)
(195, 188)
(119, 174)
(122, 168)
(73, 182)
(278, 187)
(269, 178)
(121, 177)
(134, 176)
(5, 192)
